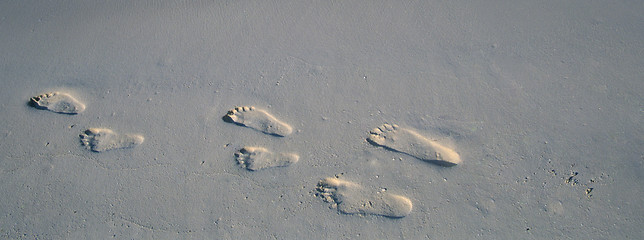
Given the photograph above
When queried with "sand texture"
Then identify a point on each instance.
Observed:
(160, 119)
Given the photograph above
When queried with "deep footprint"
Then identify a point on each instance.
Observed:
(103, 139)
(257, 158)
(259, 120)
(410, 142)
(57, 102)
(352, 198)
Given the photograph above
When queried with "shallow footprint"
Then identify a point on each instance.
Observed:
(57, 102)
(103, 139)
(259, 120)
(404, 140)
(257, 158)
(352, 198)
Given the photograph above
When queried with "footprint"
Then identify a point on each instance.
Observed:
(352, 198)
(256, 158)
(103, 139)
(57, 102)
(259, 120)
(410, 142)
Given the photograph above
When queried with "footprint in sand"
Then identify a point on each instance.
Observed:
(259, 120)
(410, 142)
(352, 198)
(57, 102)
(103, 139)
(256, 158)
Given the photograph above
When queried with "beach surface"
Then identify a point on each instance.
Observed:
(321, 119)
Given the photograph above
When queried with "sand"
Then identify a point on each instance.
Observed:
(540, 100)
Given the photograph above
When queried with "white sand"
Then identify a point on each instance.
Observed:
(542, 100)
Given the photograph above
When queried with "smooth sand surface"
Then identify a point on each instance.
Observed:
(541, 100)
